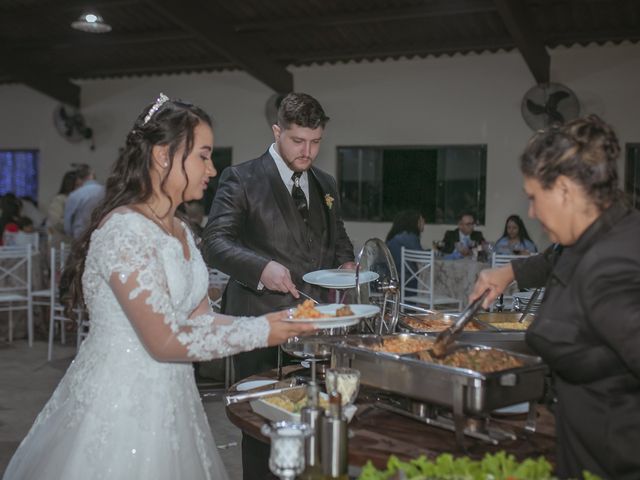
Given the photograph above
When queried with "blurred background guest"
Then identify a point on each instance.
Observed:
(81, 202)
(515, 239)
(30, 209)
(461, 240)
(405, 232)
(11, 210)
(55, 215)
(25, 224)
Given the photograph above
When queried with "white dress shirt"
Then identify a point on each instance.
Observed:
(286, 172)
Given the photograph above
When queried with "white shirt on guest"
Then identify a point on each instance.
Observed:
(286, 172)
(465, 239)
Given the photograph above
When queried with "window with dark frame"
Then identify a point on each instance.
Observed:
(632, 174)
(19, 172)
(378, 182)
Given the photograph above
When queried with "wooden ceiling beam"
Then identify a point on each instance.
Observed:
(134, 68)
(219, 35)
(52, 85)
(392, 51)
(73, 39)
(517, 21)
(435, 9)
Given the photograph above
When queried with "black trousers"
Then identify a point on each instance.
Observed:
(255, 454)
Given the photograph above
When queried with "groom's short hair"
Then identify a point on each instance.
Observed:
(301, 109)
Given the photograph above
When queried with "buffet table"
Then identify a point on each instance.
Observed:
(378, 433)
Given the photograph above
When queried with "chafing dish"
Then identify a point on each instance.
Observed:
(462, 392)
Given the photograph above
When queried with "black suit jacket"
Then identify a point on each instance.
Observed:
(453, 236)
(253, 220)
(588, 331)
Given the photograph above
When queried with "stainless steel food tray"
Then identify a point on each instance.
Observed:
(462, 390)
(489, 335)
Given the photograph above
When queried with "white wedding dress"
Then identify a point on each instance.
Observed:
(118, 413)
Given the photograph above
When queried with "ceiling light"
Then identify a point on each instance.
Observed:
(91, 22)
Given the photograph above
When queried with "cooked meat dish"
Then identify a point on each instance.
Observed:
(432, 324)
(479, 360)
(344, 311)
(402, 345)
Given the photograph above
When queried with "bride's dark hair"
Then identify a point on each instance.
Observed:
(173, 124)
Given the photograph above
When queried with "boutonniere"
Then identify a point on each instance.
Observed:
(328, 201)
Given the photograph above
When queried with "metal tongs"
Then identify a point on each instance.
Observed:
(230, 399)
(530, 303)
(445, 337)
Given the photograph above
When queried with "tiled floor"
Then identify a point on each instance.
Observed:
(27, 380)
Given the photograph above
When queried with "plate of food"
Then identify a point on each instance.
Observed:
(331, 315)
(338, 278)
(287, 406)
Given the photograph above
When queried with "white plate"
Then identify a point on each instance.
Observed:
(338, 278)
(250, 385)
(359, 311)
(517, 409)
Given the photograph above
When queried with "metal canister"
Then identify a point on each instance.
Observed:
(334, 439)
(311, 415)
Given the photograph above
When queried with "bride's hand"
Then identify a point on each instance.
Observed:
(281, 330)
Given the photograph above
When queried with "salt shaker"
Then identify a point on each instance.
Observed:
(334, 440)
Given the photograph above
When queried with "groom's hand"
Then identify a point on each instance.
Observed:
(276, 277)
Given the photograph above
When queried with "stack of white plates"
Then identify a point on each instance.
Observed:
(525, 297)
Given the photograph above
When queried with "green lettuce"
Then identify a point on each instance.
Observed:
(498, 466)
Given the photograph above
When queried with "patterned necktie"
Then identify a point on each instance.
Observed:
(299, 197)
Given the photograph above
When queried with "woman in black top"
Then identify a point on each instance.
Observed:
(588, 327)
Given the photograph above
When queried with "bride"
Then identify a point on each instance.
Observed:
(128, 407)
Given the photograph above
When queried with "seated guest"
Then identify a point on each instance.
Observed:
(464, 236)
(11, 212)
(30, 209)
(405, 232)
(515, 239)
(26, 225)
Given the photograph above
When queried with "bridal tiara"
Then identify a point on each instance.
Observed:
(161, 100)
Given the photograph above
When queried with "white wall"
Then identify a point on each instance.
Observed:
(453, 100)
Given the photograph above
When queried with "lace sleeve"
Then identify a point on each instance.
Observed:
(138, 273)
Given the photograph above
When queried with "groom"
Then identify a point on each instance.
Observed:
(274, 219)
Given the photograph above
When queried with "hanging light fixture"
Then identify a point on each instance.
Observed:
(91, 22)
